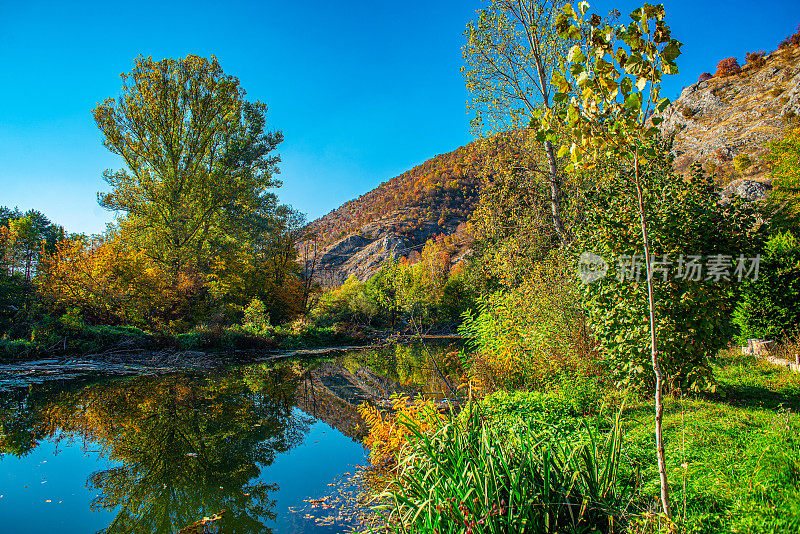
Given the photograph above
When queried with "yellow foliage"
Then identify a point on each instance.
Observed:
(389, 431)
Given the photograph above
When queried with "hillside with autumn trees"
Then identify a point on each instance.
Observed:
(396, 218)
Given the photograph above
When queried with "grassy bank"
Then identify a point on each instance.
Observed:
(733, 457)
(103, 340)
(733, 460)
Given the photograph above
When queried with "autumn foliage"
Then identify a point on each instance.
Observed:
(728, 67)
(755, 59)
(443, 191)
(791, 40)
(705, 76)
(387, 435)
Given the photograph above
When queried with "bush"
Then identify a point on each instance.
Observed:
(189, 341)
(256, 316)
(769, 307)
(18, 349)
(389, 431)
(531, 334)
(791, 41)
(515, 415)
(742, 162)
(755, 59)
(686, 217)
(704, 77)
(728, 67)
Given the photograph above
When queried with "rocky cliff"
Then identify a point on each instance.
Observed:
(725, 122)
(396, 218)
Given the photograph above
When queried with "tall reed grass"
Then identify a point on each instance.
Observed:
(463, 478)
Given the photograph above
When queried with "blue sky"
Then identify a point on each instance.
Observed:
(362, 90)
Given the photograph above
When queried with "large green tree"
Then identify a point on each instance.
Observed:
(199, 163)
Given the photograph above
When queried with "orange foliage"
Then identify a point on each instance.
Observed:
(112, 284)
(442, 191)
(387, 433)
(728, 67)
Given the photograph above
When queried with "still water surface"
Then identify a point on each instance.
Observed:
(155, 454)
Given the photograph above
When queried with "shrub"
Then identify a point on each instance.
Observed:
(728, 67)
(516, 414)
(189, 341)
(783, 157)
(388, 432)
(529, 335)
(769, 307)
(256, 316)
(704, 77)
(18, 349)
(686, 217)
(742, 162)
(792, 40)
(755, 59)
(722, 155)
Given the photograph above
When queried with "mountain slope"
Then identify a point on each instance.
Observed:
(399, 216)
(722, 123)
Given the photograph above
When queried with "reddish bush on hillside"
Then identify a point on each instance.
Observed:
(705, 76)
(792, 40)
(728, 67)
(756, 59)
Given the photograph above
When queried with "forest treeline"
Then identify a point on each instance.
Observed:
(199, 236)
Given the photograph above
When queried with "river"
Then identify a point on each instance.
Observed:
(263, 448)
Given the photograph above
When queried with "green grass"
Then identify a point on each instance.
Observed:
(733, 458)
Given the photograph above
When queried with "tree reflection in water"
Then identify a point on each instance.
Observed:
(185, 446)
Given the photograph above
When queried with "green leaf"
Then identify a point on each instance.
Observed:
(563, 151)
(561, 83)
(576, 68)
(560, 97)
(670, 68)
(662, 105)
(671, 51)
(634, 101)
(576, 55)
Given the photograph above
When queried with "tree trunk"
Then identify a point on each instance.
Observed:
(662, 466)
(555, 193)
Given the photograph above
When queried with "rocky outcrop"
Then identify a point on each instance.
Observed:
(748, 190)
(364, 252)
(725, 122)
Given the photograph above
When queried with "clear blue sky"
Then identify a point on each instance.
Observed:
(362, 90)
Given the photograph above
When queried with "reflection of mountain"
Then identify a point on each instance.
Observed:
(332, 393)
(186, 446)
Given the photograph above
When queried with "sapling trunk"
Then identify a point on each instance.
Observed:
(555, 193)
(662, 466)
